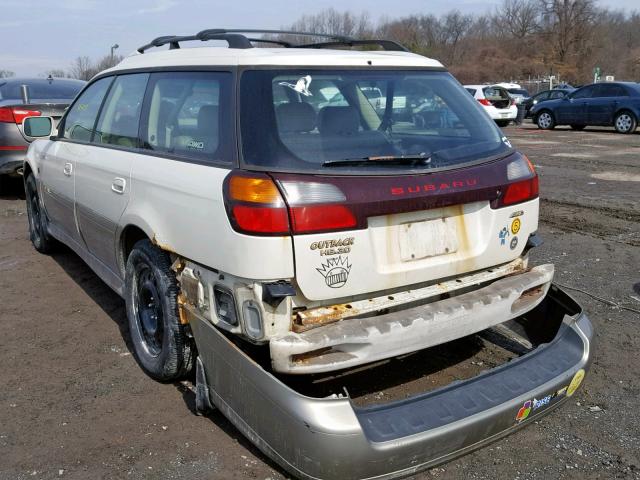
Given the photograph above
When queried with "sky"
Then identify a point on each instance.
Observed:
(37, 37)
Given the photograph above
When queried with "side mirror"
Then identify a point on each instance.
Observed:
(37, 127)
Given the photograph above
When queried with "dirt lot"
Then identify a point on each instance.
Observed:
(74, 403)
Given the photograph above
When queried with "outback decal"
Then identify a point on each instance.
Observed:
(434, 187)
(333, 247)
(335, 271)
(517, 213)
(515, 225)
(301, 86)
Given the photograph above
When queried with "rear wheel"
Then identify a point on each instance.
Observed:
(160, 342)
(545, 120)
(577, 127)
(625, 122)
(38, 233)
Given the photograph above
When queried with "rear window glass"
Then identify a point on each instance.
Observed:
(44, 89)
(296, 120)
(495, 93)
(189, 115)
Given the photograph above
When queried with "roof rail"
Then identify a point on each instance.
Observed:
(235, 40)
(385, 44)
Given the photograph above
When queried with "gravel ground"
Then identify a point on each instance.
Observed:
(74, 404)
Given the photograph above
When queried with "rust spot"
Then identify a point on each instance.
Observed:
(306, 356)
(316, 317)
(162, 246)
(532, 292)
(184, 317)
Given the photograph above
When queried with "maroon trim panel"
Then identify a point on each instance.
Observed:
(370, 196)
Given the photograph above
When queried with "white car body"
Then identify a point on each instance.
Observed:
(180, 207)
(502, 114)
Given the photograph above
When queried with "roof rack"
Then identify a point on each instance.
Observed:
(235, 40)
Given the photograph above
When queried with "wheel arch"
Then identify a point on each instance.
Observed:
(626, 108)
(130, 234)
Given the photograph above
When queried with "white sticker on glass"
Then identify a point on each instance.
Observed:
(301, 86)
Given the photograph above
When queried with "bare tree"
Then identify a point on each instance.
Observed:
(518, 18)
(82, 68)
(6, 74)
(568, 23)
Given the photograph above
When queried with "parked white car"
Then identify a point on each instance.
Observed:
(263, 213)
(496, 101)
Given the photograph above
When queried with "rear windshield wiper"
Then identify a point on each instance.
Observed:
(413, 160)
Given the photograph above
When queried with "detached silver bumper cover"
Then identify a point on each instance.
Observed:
(356, 341)
(330, 438)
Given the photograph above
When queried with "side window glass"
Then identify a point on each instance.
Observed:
(185, 115)
(80, 120)
(557, 94)
(543, 96)
(120, 116)
(585, 92)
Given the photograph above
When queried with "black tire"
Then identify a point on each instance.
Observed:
(502, 123)
(38, 233)
(625, 122)
(578, 127)
(161, 345)
(545, 120)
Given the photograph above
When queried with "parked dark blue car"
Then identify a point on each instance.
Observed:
(611, 104)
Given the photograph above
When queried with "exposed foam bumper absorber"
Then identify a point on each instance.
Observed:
(356, 341)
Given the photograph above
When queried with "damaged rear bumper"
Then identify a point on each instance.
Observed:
(330, 438)
(358, 341)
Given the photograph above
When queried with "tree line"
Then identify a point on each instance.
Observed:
(519, 39)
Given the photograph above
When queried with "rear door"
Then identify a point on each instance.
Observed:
(604, 103)
(103, 174)
(57, 173)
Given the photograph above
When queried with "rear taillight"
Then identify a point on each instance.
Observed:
(16, 114)
(524, 186)
(316, 207)
(513, 102)
(256, 206)
(485, 102)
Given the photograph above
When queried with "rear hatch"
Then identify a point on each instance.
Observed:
(377, 199)
(497, 96)
(409, 230)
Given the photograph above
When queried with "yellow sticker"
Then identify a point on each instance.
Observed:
(515, 226)
(575, 382)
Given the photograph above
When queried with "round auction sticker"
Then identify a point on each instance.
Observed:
(575, 382)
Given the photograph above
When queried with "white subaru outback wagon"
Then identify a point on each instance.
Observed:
(266, 217)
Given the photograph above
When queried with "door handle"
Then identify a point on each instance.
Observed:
(118, 185)
(68, 169)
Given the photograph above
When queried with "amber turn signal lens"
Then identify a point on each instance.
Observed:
(254, 190)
